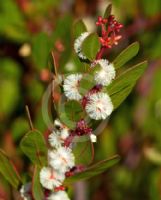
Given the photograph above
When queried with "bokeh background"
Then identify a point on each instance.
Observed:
(29, 30)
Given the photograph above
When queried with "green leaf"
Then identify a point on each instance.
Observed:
(93, 170)
(37, 190)
(86, 83)
(91, 46)
(70, 113)
(41, 47)
(8, 170)
(123, 84)
(78, 28)
(108, 11)
(34, 147)
(126, 55)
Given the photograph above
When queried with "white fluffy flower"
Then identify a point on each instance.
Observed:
(64, 130)
(25, 191)
(78, 44)
(106, 74)
(99, 106)
(61, 195)
(57, 138)
(61, 159)
(50, 178)
(70, 86)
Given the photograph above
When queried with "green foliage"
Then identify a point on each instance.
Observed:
(9, 97)
(93, 170)
(37, 190)
(91, 46)
(86, 83)
(78, 28)
(8, 170)
(108, 11)
(34, 147)
(41, 46)
(12, 22)
(126, 55)
(70, 113)
(123, 84)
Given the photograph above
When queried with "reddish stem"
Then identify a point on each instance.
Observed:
(100, 53)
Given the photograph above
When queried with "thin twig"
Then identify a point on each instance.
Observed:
(29, 118)
(93, 152)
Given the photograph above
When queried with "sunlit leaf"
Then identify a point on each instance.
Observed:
(86, 83)
(91, 46)
(126, 55)
(122, 86)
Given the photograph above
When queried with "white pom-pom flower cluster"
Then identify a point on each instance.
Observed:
(71, 84)
(78, 45)
(99, 106)
(106, 74)
(60, 160)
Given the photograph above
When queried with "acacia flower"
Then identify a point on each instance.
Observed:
(70, 86)
(25, 191)
(78, 45)
(99, 106)
(61, 159)
(50, 178)
(106, 74)
(61, 195)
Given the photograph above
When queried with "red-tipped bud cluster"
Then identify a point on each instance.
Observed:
(109, 31)
(82, 128)
(101, 21)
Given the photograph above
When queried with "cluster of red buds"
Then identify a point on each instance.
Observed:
(110, 29)
(82, 128)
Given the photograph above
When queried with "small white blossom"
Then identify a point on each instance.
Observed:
(78, 44)
(99, 106)
(93, 138)
(64, 130)
(61, 159)
(50, 178)
(106, 74)
(60, 195)
(70, 86)
(25, 191)
(57, 138)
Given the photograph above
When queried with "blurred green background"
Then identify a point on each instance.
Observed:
(29, 30)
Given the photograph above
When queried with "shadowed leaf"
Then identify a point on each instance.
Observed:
(108, 11)
(70, 113)
(8, 170)
(78, 28)
(34, 147)
(37, 190)
(94, 170)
